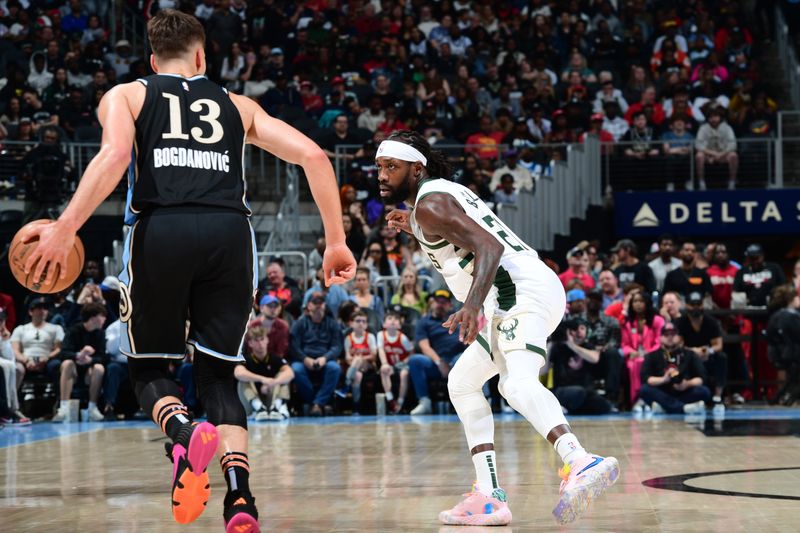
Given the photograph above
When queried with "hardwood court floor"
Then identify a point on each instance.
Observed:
(394, 474)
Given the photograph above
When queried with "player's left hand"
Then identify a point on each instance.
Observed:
(467, 318)
(55, 242)
(338, 263)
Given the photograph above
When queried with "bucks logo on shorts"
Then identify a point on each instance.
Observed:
(508, 328)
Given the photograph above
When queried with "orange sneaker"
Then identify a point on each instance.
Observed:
(190, 485)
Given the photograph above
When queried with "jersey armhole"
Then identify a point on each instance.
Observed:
(142, 81)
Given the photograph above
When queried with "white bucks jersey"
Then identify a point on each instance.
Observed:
(455, 264)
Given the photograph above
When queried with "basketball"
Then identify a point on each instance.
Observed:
(18, 254)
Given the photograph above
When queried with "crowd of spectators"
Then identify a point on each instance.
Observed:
(514, 78)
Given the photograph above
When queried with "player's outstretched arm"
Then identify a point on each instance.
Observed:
(441, 214)
(100, 178)
(287, 143)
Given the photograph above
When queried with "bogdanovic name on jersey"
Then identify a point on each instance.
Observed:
(181, 157)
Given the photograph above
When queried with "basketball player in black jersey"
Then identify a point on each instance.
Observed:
(190, 251)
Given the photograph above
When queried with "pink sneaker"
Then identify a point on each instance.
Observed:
(583, 481)
(478, 509)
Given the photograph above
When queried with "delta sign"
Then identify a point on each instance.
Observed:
(745, 212)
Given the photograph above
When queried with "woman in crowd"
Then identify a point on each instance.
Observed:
(409, 293)
(362, 293)
(641, 333)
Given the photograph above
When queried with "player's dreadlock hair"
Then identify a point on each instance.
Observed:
(437, 166)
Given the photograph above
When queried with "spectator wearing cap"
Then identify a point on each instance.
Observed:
(576, 303)
(276, 327)
(573, 380)
(702, 334)
(316, 345)
(672, 377)
(665, 262)
(440, 350)
(596, 128)
(756, 279)
(521, 176)
(641, 332)
(716, 143)
(609, 286)
(336, 295)
(37, 344)
(577, 269)
(83, 357)
(688, 277)
(630, 269)
(520, 138)
(121, 58)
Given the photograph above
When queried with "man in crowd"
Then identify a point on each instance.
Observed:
(276, 327)
(702, 334)
(610, 288)
(721, 275)
(755, 280)
(440, 350)
(521, 175)
(84, 357)
(37, 344)
(316, 344)
(573, 379)
(604, 334)
(278, 285)
(716, 143)
(672, 377)
(688, 278)
(666, 262)
(630, 269)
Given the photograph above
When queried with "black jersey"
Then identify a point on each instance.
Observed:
(189, 147)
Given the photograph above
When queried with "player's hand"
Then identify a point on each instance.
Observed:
(444, 367)
(467, 317)
(399, 219)
(338, 264)
(55, 242)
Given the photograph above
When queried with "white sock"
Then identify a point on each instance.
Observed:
(486, 471)
(400, 401)
(389, 396)
(568, 447)
(256, 404)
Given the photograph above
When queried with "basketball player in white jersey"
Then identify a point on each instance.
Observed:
(486, 266)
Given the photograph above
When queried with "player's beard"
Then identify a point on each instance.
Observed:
(399, 194)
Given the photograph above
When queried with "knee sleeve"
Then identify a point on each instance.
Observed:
(524, 392)
(217, 390)
(151, 381)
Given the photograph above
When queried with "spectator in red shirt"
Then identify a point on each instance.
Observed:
(721, 273)
(312, 102)
(576, 270)
(486, 140)
(596, 127)
(277, 328)
(391, 122)
(648, 99)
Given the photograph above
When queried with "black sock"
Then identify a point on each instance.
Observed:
(236, 469)
(171, 418)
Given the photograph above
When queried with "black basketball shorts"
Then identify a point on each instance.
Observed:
(187, 267)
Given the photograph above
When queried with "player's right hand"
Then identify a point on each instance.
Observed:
(338, 264)
(399, 219)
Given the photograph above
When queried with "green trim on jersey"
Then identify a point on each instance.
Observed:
(485, 345)
(536, 349)
(434, 246)
(506, 290)
(466, 260)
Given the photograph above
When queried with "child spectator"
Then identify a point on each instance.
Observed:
(506, 194)
(263, 378)
(360, 351)
(394, 347)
